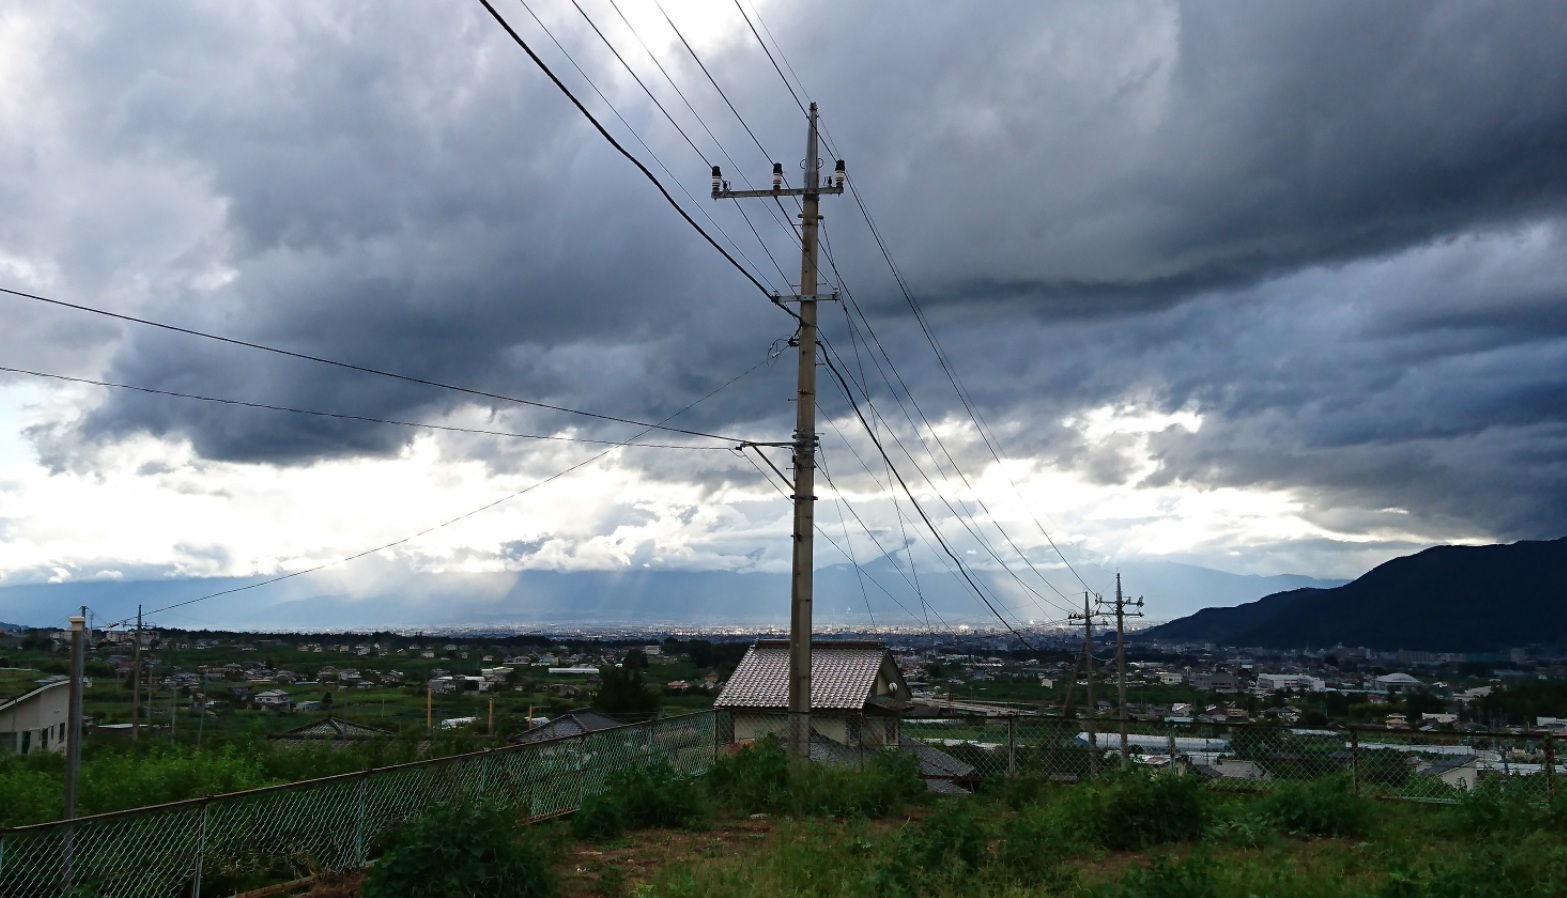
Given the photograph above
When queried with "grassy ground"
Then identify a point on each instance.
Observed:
(756, 826)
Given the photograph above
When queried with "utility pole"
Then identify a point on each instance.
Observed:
(804, 445)
(136, 683)
(73, 749)
(1087, 617)
(1121, 614)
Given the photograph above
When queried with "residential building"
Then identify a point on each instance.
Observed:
(857, 692)
(36, 721)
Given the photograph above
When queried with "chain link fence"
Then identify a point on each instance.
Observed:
(227, 844)
(1395, 764)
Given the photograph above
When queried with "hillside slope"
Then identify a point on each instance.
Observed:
(1444, 599)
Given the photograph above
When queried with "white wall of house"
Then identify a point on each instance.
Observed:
(37, 721)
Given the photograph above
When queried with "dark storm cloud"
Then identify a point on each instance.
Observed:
(1328, 228)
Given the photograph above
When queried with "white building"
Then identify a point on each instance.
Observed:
(37, 720)
(1279, 682)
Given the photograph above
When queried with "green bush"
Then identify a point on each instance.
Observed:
(652, 796)
(1191, 877)
(753, 779)
(760, 777)
(1325, 807)
(1036, 843)
(462, 850)
(889, 782)
(1137, 809)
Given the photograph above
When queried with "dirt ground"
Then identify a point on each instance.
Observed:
(591, 871)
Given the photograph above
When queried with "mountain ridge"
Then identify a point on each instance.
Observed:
(1442, 599)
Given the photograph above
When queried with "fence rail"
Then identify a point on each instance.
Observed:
(226, 844)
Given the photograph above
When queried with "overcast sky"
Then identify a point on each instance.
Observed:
(1269, 288)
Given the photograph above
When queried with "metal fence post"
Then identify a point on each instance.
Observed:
(359, 821)
(1354, 758)
(1550, 765)
(1011, 746)
(582, 769)
(201, 846)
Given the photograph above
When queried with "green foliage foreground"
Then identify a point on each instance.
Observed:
(1141, 836)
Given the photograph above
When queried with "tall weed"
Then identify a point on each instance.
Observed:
(656, 795)
(1324, 807)
(463, 851)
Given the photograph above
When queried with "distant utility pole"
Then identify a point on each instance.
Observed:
(804, 445)
(1121, 614)
(136, 683)
(73, 748)
(1087, 617)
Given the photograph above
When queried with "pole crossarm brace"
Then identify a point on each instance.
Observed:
(721, 189)
(813, 297)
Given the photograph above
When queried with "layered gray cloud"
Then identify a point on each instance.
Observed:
(1334, 231)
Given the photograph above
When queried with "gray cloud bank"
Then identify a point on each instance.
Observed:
(1335, 230)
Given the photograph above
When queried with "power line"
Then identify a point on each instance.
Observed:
(921, 511)
(929, 427)
(697, 115)
(844, 552)
(363, 369)
(633, 132)
(972, 529)
(461, 517)
(347, 417)
(919, 317)
(517, 38)
(913, 305)
(769, 53)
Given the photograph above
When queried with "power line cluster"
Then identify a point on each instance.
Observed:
(912, 472)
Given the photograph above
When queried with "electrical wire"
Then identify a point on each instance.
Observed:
(834, 543)
(453, 520)
(770, 58)
(346, 417)
(517, 38)
(697, 115)
(925, 517)
(962, 515)
(908, 294)
(363, 369)
(633, 132)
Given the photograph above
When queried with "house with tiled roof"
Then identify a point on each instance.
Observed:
(331, 731)
(572, 723)
(858, 694)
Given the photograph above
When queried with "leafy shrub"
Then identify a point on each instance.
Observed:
(1035, 844)
(754, 779)
(1239, 825)
(461, 850)
(1137, 809)
(1191, 877)
(1325, 807)
(760, 777)
(889, 781)
(656, 795)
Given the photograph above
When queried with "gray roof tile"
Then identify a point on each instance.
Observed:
(842, 676)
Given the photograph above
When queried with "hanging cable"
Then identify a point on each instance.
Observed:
(517, 38)
(345, 417)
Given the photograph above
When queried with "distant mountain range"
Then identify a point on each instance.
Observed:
(1444, 599)
(548, 599)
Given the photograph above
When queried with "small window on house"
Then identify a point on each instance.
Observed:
(62, 732)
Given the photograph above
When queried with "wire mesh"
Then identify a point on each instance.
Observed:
(1394, 764)
(231, 843)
